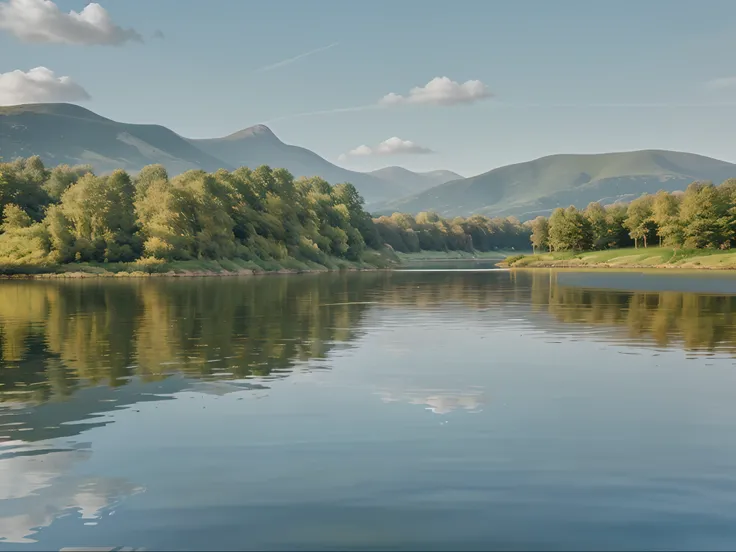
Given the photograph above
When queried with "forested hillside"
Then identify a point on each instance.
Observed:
(69, 214)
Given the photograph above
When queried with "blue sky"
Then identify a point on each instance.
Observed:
(566, 76)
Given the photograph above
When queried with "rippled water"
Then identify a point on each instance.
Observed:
(433, 410)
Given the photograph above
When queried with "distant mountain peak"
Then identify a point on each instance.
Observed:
(392, 170)
(259, 131)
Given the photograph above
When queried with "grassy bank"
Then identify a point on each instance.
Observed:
(651, 257)
(372, 260)
(452, 255)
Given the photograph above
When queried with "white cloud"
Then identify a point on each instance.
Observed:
(38, 85)
(392, 146)
(43, 21)
(724, 83)
(441, 91)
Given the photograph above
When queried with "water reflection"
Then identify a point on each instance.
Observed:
(696, 322)
(37, 485)
(438, 401)
(59, 337)
(80, 360)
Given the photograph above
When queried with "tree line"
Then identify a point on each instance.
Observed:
(701, 217)
(431, 232)
(69, 214)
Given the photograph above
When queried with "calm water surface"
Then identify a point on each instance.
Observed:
(461, 410)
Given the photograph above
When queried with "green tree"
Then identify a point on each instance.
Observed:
(666, 217)
(639, 220)
(21, 183)
(618, 233)
(540, 233)
(97, 212)
(569, 230)
(62, 177)
(348, 195)
(165, 228)
(203, 201)
(599, 227)
(147, 176)
(704, 215)
(14, 218)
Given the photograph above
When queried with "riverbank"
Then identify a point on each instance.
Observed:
(453, 255)
(651, 257)
(372, 260)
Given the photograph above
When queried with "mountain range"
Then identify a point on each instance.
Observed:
(537, 187)
(66, 133)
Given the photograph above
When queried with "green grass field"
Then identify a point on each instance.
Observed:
(651, 257)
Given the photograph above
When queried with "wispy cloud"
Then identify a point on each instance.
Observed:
(723, 83)
(440, 91)
(525, 105)
(323, 112)
(291, 60)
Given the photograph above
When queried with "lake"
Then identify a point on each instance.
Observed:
(414, 410)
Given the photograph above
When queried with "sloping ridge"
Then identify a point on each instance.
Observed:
(539, 186)
(413, 181)
(66, 133)
(442, 175)
(257, 145)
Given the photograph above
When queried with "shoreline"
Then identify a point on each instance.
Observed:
(80, 275)
(434, 256)
(604, 266)
(375, 261)
(658, 258)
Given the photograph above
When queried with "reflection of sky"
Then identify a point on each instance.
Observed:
(38, 487)
(438, 401)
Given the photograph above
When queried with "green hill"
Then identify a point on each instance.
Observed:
(65, 133)
(257, 145)
(414, 182)
(537, 187)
